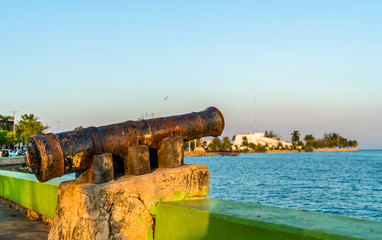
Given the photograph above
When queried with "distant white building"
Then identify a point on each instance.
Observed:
(258, 138)
(199, 150)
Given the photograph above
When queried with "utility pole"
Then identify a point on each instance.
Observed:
(58, 125)
(255, 116)
(14, 120)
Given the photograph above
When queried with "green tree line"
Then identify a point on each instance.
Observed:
(28, 125)
(225, 144)
(329, 140)
(216, 144)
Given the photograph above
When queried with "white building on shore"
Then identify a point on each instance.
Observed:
(259, 138)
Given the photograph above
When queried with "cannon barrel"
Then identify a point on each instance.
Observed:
(53, 155)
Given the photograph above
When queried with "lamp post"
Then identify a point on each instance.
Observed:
(14, 120)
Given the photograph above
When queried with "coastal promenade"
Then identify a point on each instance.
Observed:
(15, 226)
(4, 161)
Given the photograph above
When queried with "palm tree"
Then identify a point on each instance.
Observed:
(309, 138)
(216, 144)
(333, 139)
(354, 144)
(4, 123)
(29, 125)
(252, 146)
(244, 142)
(271, 134)
(295, 138)
(226, 143)
(344, 143)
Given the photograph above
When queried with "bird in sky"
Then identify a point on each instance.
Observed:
(164, 99)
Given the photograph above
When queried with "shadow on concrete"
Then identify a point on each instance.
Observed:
(14, 226)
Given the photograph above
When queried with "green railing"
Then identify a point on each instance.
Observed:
(219, 219)
(25, 190)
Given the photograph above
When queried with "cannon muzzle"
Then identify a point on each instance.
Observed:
(53, 155)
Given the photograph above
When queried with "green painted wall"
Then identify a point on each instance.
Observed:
(207, 218)
(25, 190)
(218, 219)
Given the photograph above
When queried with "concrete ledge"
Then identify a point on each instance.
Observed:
(6, 161)
(25, 190)
(219, 219)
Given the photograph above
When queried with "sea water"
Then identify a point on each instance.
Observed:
(347, 183)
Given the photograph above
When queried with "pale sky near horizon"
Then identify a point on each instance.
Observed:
(313, 66)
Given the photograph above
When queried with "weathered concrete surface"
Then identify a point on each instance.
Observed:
(138, 160)
(14, 226)
(123, 209)
(170, 154)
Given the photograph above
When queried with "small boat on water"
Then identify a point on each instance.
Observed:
(230, 154)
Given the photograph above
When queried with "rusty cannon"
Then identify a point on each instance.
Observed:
(54, 155)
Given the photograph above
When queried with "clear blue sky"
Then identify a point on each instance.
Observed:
(313, 66)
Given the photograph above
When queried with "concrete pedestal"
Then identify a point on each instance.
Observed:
(125, 208)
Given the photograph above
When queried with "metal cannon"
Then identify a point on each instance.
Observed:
(53, 155)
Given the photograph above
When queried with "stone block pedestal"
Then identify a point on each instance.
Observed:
(125, 208)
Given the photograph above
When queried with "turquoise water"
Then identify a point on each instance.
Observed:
(348, 184)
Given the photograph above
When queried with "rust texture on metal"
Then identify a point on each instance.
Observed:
(53, 155)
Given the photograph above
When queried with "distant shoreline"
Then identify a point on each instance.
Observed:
(190, 154)
(315, 150)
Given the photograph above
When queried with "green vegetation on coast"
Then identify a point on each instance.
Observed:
(28, 125)
(331, 142)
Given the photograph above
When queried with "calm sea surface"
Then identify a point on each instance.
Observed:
(348, 184)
